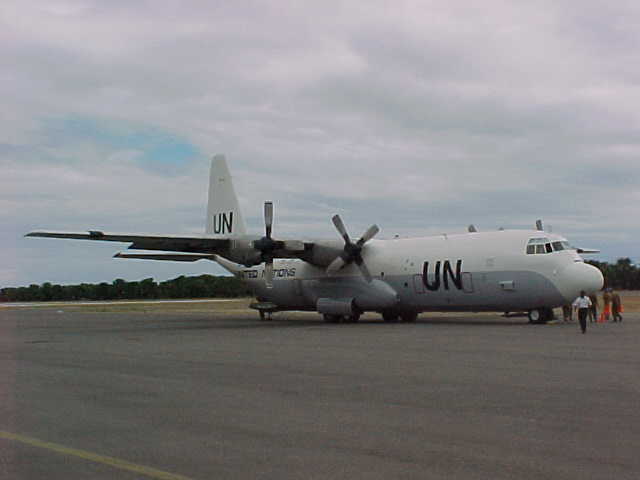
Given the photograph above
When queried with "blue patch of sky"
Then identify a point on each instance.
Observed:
(160, 151)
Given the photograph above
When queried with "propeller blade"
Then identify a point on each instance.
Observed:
(336, 265)
(268, 273)
(268, 217)
(364, 270)
(337, 221)
(368, 235)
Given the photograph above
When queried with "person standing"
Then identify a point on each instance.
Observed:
(606, 300)
(593, 310)
(582, 304)
(616, 307)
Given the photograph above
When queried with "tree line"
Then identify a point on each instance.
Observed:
(203, 286)
(622, 275)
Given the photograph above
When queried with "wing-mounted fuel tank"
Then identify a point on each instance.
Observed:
(342, 296)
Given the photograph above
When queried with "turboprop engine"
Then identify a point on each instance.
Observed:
(352, 296)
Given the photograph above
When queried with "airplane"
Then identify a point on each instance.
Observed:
(506, 270)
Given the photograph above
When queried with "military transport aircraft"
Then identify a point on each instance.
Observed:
(505, 270)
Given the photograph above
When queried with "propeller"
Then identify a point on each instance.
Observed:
(267, 245)
(352, 252)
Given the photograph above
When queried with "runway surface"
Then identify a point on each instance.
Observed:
(206, 395)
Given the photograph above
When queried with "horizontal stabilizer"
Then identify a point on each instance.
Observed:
(169, 243)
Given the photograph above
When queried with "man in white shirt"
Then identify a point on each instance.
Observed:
(582, 305)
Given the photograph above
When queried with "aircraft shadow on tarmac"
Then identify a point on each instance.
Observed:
(283, 322)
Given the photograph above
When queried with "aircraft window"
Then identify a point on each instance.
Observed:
(539, 245)
(538, 240)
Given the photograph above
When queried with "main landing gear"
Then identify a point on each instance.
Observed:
(540, 315)
(394, 317)
(341, 319)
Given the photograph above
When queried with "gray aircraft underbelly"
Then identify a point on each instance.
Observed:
(482, 291)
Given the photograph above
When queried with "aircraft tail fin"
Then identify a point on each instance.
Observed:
(224, 218)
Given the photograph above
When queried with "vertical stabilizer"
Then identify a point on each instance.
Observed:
(223, 211)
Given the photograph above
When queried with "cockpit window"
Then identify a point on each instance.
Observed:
(543, 245)
(562, 245)
(539, 245)
(538, 240)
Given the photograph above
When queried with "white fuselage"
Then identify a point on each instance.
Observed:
(473, 271)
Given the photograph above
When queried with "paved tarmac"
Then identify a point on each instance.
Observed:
(204, 396)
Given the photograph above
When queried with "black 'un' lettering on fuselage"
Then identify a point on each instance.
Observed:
(457, 279)
(447, 274)
(425, 277)
(222, 223)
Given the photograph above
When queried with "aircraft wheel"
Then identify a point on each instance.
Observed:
(409, 317)
(352, 318)
(332, 318)
(535, 316)
(262, 316)
(390, 317)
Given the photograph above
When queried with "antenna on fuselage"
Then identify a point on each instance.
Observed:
(472, 228)
(539, 225)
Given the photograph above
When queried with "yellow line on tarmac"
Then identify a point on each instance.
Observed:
(93, 457)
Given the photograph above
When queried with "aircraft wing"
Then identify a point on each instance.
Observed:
(171, 257)
(169, 243)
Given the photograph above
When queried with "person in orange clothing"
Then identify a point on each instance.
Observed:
(606, 300)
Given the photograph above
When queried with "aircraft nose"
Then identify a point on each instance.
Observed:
(582, 276)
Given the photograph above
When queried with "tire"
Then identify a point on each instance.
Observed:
(390, 317)
(535, 315)
(332, 318)
(547, 314)
(409, 317)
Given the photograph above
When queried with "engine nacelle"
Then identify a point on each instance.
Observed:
(346, 296)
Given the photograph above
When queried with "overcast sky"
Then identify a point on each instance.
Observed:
(421, 117)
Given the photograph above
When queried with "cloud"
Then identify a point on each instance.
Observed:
(422, 117)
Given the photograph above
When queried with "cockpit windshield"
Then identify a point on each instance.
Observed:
(540, 245)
